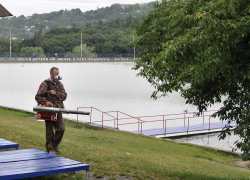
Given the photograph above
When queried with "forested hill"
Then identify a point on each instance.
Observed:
(105, 38)
(23, 27)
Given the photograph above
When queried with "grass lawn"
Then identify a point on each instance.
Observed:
(106, 152)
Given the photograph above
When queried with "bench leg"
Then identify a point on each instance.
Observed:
(87, 175)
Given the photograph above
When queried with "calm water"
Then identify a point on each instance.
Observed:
(105, 86)
(211, 140)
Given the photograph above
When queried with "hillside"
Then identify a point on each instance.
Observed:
(24, 27)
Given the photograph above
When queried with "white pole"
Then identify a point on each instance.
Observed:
(134, 46)
(10, 43)
(81, 44)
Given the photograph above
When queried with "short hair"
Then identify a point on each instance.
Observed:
(52, 69)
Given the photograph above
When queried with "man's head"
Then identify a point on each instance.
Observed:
(54, 71)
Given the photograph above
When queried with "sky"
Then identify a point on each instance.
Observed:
(29, 7)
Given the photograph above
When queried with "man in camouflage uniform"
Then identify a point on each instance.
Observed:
(44, 96)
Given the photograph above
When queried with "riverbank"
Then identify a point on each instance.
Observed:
(111, 153)
(62, 60)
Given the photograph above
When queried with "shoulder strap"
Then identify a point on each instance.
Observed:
(49, 88)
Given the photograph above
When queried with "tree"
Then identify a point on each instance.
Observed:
(38, 37)
(108, 47)
(36, 51)
(29, 42)
(88, 25)
(85, 50)
(201, 49)
(100, 23)
(5, 45)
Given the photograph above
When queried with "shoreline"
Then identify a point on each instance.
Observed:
(63, 60)
(230, 153)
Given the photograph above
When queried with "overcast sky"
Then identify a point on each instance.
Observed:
(29, 7)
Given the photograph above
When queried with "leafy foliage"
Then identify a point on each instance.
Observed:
(31, 50)
(85, 50)
(103, 39)
(24, 27)
(201, 48)
(5, 45)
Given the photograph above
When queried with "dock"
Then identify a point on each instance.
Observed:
(185, 130)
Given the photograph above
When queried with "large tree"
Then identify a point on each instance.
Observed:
(201, 48)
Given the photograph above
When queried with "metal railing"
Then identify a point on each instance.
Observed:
(187, 116)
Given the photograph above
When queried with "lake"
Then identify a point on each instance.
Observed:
(107, 86)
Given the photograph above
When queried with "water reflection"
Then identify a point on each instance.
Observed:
(211, 140)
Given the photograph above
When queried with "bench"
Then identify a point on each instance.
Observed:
(28, 163)
(4, 144)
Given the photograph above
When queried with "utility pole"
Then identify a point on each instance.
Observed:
(10, 43)
(134, 46)
(81, 44)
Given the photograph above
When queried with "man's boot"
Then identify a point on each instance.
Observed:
(57, 149)
(52, 152)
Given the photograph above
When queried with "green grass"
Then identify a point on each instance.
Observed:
(106, 150)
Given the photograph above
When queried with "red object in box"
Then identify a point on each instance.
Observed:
(45, 116)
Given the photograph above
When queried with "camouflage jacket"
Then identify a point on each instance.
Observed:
(43, 94)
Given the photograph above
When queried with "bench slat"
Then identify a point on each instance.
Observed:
(27, 163)
(43, 172)
(5, 144)
(26, 158)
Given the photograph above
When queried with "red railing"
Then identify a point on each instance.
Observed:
(140, 122)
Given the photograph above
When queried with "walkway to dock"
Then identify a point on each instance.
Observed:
(186, 129)
(157, 124)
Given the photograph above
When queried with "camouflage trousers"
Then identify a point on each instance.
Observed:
(53, 139)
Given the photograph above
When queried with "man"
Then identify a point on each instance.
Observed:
(52, 93)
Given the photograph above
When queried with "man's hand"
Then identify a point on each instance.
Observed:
(49, 104)
(53, 92)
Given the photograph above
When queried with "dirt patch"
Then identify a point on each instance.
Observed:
(241, 163)
(117, 177)
(105, 177)
(236, 163)
(32, 118)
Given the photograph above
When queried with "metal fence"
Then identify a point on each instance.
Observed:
(64, 55)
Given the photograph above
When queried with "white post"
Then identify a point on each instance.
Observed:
(10, 43)
(81, 44)
(134, 46)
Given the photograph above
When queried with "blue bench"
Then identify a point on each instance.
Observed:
(4, 144)
(27, 163)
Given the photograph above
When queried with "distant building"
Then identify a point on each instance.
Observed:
(123, 6)
(141, 4)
